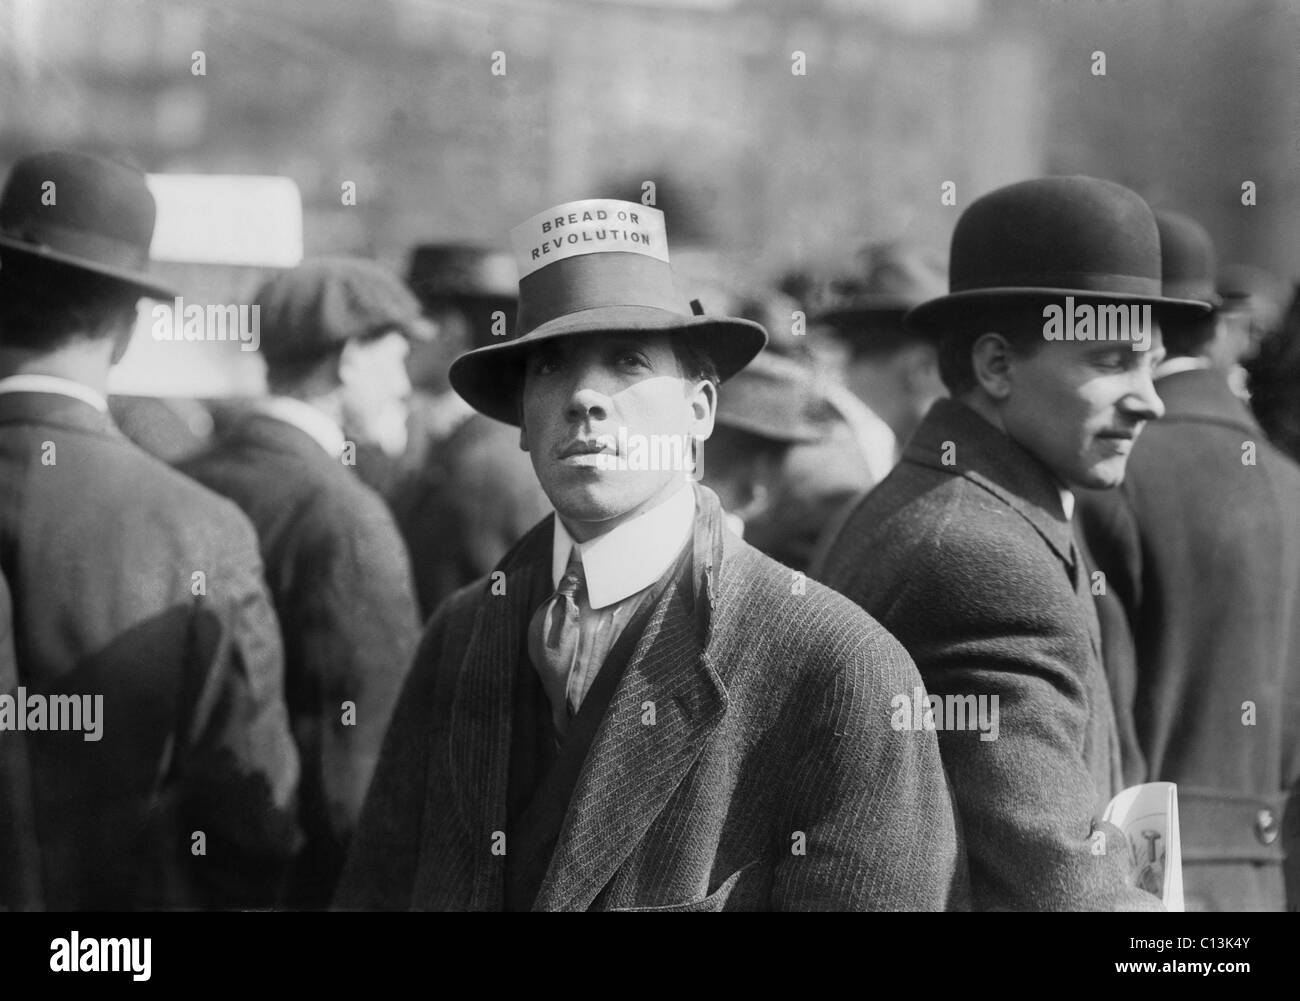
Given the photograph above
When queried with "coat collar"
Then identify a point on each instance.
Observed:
(992, 460)
(1203, 395)
(270, 432)
(630, 770)
(57, 410)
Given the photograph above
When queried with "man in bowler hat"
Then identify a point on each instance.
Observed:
(130, 583)
(1201, 544)
(636, 709)
(333, 334)
(966, 551)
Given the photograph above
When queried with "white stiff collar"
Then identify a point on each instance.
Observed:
(307, 419)
(631, 557)
(32, 383)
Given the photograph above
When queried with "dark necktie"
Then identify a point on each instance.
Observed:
(553, 636)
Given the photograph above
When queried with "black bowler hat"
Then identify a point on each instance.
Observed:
(1187, 264)
(1053, 236)
(461, 271)
(591, 267)
(84, 212)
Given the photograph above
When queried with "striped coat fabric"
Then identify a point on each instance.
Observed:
(746, 760)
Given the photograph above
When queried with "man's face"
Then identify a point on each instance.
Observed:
(589, 403)
(375, 391)
(1080, 405)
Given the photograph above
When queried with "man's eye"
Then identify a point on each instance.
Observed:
(1111, 360)
(545, 364)
(631, 359)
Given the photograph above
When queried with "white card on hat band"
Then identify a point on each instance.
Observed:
(590, 226)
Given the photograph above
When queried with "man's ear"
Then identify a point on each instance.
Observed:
(122, 326)
(703, 401)
(990, 358)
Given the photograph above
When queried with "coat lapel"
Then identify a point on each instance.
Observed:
(478, 735)
(634, 767)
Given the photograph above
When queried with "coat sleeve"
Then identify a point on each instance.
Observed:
(237, 769)
(870, 823)
(981, 624)
(380, 870)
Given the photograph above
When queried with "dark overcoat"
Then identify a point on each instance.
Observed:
(341, 583)
(474, 497)
(1202, 546)
(132, 582)
(965, 554)
(769, 777)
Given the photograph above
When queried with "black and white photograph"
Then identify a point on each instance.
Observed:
(648, 456)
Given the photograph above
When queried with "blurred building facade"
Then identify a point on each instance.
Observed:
(399, 98)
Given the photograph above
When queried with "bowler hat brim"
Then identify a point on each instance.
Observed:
(490, 378)
(933, 316)
(143, 283)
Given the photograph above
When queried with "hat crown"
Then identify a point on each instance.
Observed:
(462, 270)
(1187, 260)
(82, 205)
(1077, 234)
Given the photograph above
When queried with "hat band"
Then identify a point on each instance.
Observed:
(1083, 281)
(93, 248)
(590, 281)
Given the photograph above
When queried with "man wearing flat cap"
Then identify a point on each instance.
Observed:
(636, 709)
(134, 590)
(1202, 545)
(967, 552)
(333, 335)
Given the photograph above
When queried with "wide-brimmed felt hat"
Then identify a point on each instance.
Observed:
(890, 280)
(591, 267)
(84, 212)
(326, 301)
(1053, 236)
(777, 399)
(1187, 261)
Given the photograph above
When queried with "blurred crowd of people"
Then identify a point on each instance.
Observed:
(250, 598)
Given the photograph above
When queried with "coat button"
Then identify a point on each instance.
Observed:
(1266, 827)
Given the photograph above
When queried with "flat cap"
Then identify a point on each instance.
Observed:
(328, 300)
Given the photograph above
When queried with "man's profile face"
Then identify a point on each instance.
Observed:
(584, 397)
(1080, 405)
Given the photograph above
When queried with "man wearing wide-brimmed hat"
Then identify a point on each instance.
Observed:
(334, 335)
(1202, 545)
(893, 369)
(636, 709)
(966, 551)
(131, 583)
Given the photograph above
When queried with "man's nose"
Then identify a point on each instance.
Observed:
(587, 402)
(1143, 402)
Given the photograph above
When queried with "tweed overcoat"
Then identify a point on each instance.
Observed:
(965, 554)
(131, 582)
(339, 576)
(1202, 546)
(770, 777)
